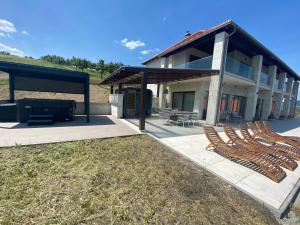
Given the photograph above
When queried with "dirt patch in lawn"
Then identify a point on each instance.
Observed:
(132, 180)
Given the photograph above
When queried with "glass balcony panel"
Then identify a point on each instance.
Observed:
(236, 67)
(264, 78)
(204, 64)
(276, 84)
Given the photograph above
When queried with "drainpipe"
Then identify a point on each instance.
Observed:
(222, 70)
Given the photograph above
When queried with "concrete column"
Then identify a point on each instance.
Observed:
(282, 78)
(294, 99)
(229, 103)
(279, 99)
(272, 70)
(213, 98)
(287, 101)
(162, 100)
(252, 91)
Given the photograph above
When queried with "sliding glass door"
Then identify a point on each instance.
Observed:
(183, 101)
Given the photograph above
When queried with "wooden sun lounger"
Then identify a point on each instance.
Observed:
(274, 172)
(265, 126)
(275, 138)
(277, 157)
(290, 150)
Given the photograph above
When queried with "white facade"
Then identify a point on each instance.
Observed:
(250, 88)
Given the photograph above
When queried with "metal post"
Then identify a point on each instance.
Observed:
(143, 101)
(87, 99)
(11, 88)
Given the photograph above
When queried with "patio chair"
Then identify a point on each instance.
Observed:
(272, 171)
(195, 118)
(265, 126)
(182, 118)
(277, 157)
(289, 150)
(275, 138)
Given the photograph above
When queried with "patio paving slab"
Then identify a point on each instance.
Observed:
(78, 129)
(191, 145)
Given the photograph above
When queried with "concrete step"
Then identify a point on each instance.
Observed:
(46, 116)
(39, 122)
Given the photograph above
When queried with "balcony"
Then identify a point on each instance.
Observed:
(236, 67)
(204, 64)
(264, 79)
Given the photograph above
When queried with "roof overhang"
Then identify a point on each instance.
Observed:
(133, 75)
(240, 35)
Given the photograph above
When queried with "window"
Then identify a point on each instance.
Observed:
(238, 105)
(224, 102)
(183, 101)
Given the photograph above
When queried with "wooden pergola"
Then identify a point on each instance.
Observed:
(148, 75)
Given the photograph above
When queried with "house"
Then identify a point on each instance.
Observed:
(256, 84)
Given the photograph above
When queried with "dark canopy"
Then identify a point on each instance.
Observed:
(26, 77)
(133, 75)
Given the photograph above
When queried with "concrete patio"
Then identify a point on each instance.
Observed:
(99, 127)
(191, 142)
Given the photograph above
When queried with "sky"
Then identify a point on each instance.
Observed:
(132, 31)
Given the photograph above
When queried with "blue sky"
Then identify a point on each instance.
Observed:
(95, 29)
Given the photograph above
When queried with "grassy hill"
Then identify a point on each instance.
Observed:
(94, 75)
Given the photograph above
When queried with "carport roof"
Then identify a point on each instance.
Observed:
(133, 75)
(41, 71)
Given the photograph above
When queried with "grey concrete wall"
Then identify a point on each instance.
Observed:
(95, 108)
(116, 101)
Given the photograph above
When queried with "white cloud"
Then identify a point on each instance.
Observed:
(13, 51)
(146, 52)
(2, 34)
(7, 26)
(132, 44)
(25, 32)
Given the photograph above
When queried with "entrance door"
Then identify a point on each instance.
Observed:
(259, 108)
(183, 101)
(205, 103)
(131, 103)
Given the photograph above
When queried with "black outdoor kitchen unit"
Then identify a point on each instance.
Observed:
(24, 77)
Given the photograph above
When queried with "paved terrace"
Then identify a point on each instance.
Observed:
(99, 127)
(191, 141)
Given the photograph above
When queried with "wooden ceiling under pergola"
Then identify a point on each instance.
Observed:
(148, 75)
(133, 75)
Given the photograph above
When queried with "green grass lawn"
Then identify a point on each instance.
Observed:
(94, 76)
(132, 180)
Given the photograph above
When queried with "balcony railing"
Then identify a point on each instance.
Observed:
(236, 67)
(204, 64)
(264, 78)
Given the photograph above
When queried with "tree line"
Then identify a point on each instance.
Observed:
(101, 66)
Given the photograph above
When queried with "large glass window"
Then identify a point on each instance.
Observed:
(183, 101)
(224, 102)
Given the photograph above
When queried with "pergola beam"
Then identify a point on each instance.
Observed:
(11, 88)
(143, 101)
